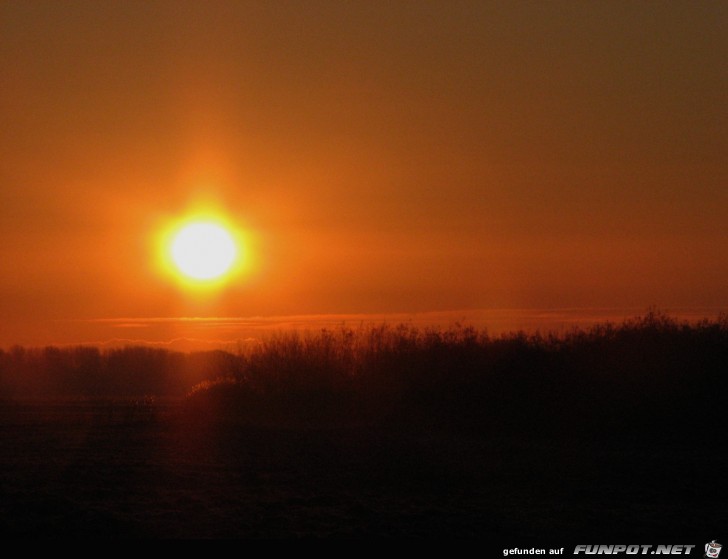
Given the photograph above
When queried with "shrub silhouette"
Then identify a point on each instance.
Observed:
(649, 377)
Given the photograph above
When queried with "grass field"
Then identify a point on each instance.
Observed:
(74, 471)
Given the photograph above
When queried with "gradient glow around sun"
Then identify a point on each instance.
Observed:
(203, 251)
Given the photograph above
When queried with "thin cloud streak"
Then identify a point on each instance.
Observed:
(231, 331)
(575, 314)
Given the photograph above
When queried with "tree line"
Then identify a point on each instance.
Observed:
(652, 375)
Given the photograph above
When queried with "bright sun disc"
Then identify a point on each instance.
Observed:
(203, 251)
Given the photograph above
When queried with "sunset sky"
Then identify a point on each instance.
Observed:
(371, 157)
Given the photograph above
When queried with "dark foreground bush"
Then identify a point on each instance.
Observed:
(649, 378)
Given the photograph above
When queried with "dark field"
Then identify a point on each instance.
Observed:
(613, 434)
(74, 470)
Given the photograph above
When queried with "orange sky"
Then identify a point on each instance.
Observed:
(399, 157)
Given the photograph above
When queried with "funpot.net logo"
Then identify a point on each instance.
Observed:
(618, 549)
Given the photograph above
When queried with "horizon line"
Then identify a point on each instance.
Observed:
(344, 315)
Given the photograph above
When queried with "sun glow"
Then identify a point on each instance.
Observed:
(203, 250)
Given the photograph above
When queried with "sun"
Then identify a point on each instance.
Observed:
(203, 250)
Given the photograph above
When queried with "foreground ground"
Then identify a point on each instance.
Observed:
(118, 470)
